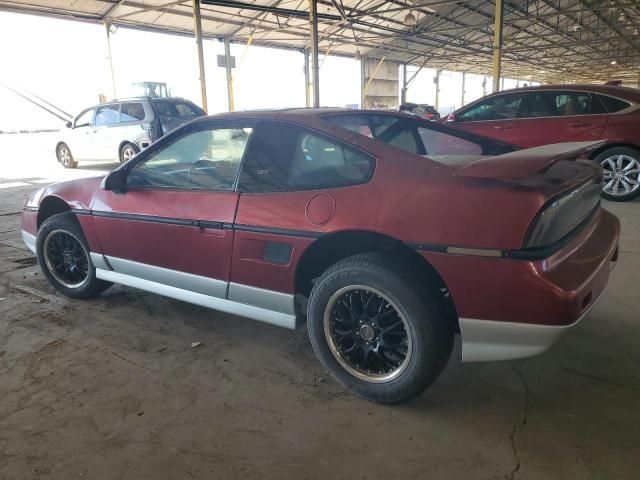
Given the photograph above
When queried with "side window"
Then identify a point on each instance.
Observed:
(84, 119)
(107, 115)
(284, 157)
(500, 107)
(411, 134)
(558, 104)
(439, 143)
(202, 160)
(613, 104)
(131, 112)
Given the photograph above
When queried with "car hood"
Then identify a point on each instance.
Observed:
(523, 164)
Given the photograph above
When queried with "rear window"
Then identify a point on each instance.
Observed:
(177, 109)
(418, 136)
(613, 104)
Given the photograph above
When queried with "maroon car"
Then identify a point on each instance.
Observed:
(535, 116)
(387, 233)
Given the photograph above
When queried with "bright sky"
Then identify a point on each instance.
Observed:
(65, 62)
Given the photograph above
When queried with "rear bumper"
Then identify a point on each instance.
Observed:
(489, 341)
(515, 308)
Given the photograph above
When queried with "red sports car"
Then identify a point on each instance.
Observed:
(529, 117)
(387, 233)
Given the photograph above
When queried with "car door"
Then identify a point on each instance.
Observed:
(561, 116)
(173, 224)
(80, 137)
(107, 132)
(292, 182)
(497, 116)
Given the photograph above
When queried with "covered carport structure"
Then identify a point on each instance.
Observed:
(543, 40)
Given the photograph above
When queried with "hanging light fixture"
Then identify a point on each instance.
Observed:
(410, 20)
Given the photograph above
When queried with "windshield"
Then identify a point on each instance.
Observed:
(418, 136)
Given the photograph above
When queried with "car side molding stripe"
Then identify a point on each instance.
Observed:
(154, 219)
(530, 254)
(278, 231)
(81, 211)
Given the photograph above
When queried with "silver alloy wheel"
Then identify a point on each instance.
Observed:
(64, 155)
(367, 334)
(621, 174)
(127, 153)
(66, 258)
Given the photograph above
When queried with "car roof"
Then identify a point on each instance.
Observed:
(625, 93)
(304, 115)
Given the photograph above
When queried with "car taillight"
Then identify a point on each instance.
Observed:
(563, 214)
(428, 115)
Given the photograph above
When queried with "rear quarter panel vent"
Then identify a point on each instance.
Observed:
(277, 252)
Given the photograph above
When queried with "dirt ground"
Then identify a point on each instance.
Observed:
(112, 388)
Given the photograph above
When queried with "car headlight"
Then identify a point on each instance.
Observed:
(562, 215)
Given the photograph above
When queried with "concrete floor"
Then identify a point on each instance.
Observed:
(111, 388)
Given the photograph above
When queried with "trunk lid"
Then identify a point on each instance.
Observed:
(523, 164)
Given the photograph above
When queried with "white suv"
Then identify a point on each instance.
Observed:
(120, 129)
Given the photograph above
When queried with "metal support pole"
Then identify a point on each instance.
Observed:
(363, 86)
(484, 86)
(437, 82)
(463, 86)
(313, 21)
(307, 78)
(405, 85)
(497, 44)
(227, 65)
(197, 23)
(113, 77)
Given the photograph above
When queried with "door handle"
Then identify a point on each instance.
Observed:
(504, 127)
(579, 124)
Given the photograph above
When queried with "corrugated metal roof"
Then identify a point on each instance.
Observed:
(563, 40)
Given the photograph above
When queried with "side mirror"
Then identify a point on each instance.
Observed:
(451, 117)
(68, 124)
(116, 181)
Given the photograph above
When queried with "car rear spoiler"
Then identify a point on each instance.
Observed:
(524, 163)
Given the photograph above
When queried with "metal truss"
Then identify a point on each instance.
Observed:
(544, 40)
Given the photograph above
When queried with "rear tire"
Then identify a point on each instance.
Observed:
(127, 152)
(63, 255)
(375, 332)
(621, 167)
(63, 152)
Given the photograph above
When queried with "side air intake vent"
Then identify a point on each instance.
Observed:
(276, 252)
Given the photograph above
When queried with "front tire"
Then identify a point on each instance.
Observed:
(127, 152)
(375, 332)
(63, 152)
(621, 167)
(63, 255)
